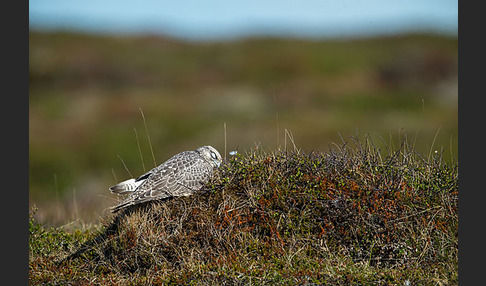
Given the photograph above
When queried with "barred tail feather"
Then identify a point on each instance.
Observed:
(128, 186)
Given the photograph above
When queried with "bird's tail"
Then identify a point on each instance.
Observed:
(125, 187)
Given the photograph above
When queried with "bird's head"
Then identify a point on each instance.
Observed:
(211, 155)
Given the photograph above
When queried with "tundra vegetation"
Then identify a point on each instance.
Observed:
(378, 207)
(353, 215)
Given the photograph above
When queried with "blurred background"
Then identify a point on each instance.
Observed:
(108, 79)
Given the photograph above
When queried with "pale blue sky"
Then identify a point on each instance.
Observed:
(218, 19)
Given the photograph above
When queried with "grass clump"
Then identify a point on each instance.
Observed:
(346, 216)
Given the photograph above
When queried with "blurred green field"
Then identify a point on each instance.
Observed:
(86, 94)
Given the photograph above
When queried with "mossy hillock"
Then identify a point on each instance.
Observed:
(350, 215)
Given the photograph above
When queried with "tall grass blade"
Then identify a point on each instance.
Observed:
(148, 137)
(139, 149)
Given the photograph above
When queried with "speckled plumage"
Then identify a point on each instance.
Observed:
(181, 175)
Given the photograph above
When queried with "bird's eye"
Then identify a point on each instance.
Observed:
(213, 155)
